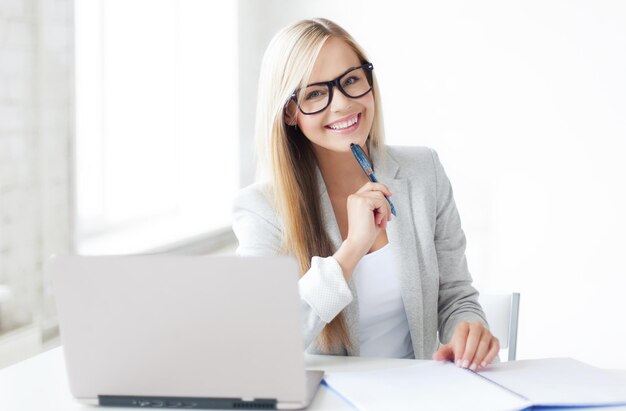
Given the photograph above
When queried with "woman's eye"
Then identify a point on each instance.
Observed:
(350, 81)
(314, 94)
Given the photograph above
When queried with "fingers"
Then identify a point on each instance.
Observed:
(378, 189)
(494, 348)
(380, 206)
(369, 186)
(481, 351)
(479, 347)
(473, 338)
(472, 346)
(459, 342)
(444, 352)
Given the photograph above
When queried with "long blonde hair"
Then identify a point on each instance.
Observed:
(285, 157)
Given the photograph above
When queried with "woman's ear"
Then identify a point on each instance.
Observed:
(290, 113)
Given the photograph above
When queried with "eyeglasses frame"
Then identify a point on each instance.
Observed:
(335, 83)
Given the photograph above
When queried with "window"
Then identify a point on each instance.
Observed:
(157, 131)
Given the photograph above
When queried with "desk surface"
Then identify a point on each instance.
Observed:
(40, 383)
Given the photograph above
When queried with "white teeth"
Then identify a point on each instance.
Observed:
(344, 124)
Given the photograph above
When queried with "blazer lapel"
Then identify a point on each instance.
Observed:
(403, 241)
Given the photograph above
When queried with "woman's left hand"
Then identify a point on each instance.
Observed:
(472, 346)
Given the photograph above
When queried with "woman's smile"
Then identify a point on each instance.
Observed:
(345, 125)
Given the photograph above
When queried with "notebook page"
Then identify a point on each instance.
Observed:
(559, 381)
(426, 385)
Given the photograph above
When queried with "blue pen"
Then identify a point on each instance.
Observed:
(365, 164)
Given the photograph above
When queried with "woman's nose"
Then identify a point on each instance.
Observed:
(340, 102)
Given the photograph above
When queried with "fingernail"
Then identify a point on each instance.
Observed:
(465, 363)
(458, 363)
(473, 367)
(483, 364)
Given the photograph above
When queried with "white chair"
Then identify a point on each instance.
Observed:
(502, 311)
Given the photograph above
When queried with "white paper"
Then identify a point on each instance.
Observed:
(425, 386)
(559, 381)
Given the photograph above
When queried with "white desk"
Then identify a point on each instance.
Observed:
(40, 383)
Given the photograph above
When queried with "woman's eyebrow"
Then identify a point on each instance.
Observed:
(324, 82)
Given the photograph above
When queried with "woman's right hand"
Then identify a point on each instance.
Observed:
(368, 214)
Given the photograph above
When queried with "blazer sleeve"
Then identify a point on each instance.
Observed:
(458, 299)
(324, 292)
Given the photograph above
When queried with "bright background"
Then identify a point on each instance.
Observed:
(525, 103)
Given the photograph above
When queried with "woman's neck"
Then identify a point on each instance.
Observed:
(341, 172)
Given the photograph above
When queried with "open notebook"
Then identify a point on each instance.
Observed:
(513, 385)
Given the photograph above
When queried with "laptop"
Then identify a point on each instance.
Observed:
(167, 331)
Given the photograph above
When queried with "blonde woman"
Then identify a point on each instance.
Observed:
(372, 284)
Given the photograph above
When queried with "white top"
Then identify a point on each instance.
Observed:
(384, 328)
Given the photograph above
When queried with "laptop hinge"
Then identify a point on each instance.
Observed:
(186, 402)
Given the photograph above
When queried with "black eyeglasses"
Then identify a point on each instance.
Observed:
(354, 83)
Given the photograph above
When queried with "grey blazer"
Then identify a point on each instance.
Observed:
(426, 235)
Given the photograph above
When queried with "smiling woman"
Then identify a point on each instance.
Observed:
(318, 96)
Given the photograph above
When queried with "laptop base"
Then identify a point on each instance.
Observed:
(185, 402)
(313, 379)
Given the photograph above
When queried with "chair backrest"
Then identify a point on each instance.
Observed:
(502, 311)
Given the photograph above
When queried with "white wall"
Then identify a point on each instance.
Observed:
(524, 101)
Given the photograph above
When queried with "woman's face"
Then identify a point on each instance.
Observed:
(333, 128)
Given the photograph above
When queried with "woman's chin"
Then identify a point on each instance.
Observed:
(341, 144)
